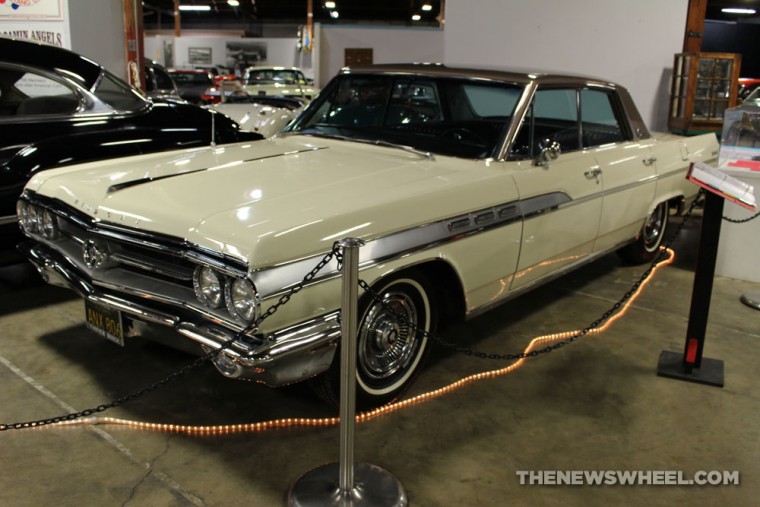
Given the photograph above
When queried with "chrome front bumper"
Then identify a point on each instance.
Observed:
(283, 357)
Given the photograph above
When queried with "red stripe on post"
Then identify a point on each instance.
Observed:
(691, 350)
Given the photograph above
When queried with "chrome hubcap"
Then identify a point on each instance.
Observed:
(387, 336)
(654, 227)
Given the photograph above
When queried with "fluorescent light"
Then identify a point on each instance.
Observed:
(334, 14)
(195, 7)
(416, 17)
(330, 5)
(427, 7)
(233, 3)
(732, 10)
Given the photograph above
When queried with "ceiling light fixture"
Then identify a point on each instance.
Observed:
(732, 10)
(233, 3)
(416, 17)
(330, 5)
(195, 7)
(427, 7)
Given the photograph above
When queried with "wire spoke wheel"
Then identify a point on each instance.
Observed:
(391, 336)
(395, 319)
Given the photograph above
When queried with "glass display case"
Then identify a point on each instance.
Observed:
(704, 85)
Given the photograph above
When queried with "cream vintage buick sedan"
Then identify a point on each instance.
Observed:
(468, 186)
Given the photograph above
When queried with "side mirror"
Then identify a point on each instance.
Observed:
(548, 150)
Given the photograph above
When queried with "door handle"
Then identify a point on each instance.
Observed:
(650, 160)
(594, 172)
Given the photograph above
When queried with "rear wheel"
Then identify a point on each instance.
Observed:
(645, 248)
(391, 342)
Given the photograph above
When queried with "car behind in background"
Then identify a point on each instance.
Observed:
(192, 84)
(59, 108)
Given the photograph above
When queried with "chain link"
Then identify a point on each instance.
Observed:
(334, 253)
(741, 220)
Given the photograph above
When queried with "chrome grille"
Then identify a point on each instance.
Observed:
(140, 265)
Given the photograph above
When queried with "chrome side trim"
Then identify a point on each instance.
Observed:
(277, 280)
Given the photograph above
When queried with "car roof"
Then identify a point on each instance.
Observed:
(271, 67)
(519, 76)
(50, 58)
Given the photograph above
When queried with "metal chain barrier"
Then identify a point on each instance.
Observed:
(334, 253)
(741, 220)
(533, 353)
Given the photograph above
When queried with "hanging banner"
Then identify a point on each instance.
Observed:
(36, 20)
(32, 9)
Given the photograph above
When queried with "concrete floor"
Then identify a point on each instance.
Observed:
(594, 405)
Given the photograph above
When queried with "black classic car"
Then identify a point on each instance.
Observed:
(59, 108)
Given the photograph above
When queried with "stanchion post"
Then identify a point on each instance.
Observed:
(690, 365)
(349, 315)
(347, 484)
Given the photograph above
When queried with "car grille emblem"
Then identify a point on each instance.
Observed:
(95, 255)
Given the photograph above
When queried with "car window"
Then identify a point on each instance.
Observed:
(28, 94)
(575, 118)
(489, 101)
(553, 116)
(163, 79)
(599, 125)
(118, 94)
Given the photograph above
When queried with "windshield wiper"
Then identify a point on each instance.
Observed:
(410, 149)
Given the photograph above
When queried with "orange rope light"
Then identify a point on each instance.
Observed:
(380, 411)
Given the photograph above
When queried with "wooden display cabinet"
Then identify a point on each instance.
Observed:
(704, 85)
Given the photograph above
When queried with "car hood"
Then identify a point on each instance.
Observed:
(274, 200)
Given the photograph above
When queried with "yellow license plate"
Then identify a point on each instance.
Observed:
(107, 323)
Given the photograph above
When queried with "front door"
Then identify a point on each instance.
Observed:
(561, 201)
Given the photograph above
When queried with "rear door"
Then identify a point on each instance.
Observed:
(626, 167)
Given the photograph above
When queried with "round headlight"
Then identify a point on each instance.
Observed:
(208, 285)
(242, 300)
(22, 212)
(34, 219)
(50, 228)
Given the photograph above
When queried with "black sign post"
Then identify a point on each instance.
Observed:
(690, 365)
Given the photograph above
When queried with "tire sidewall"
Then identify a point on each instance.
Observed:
(417, 287)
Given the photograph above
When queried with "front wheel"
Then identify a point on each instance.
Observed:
(645, 248)
(392, 337)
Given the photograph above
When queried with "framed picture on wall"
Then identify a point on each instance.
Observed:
(199, 55)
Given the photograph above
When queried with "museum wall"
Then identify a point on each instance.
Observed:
(99, 37)
(390, 45)
(631, 43)
(227, 50)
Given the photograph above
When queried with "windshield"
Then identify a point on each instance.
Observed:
(754, 96)
(271, 76)
(457, 117)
